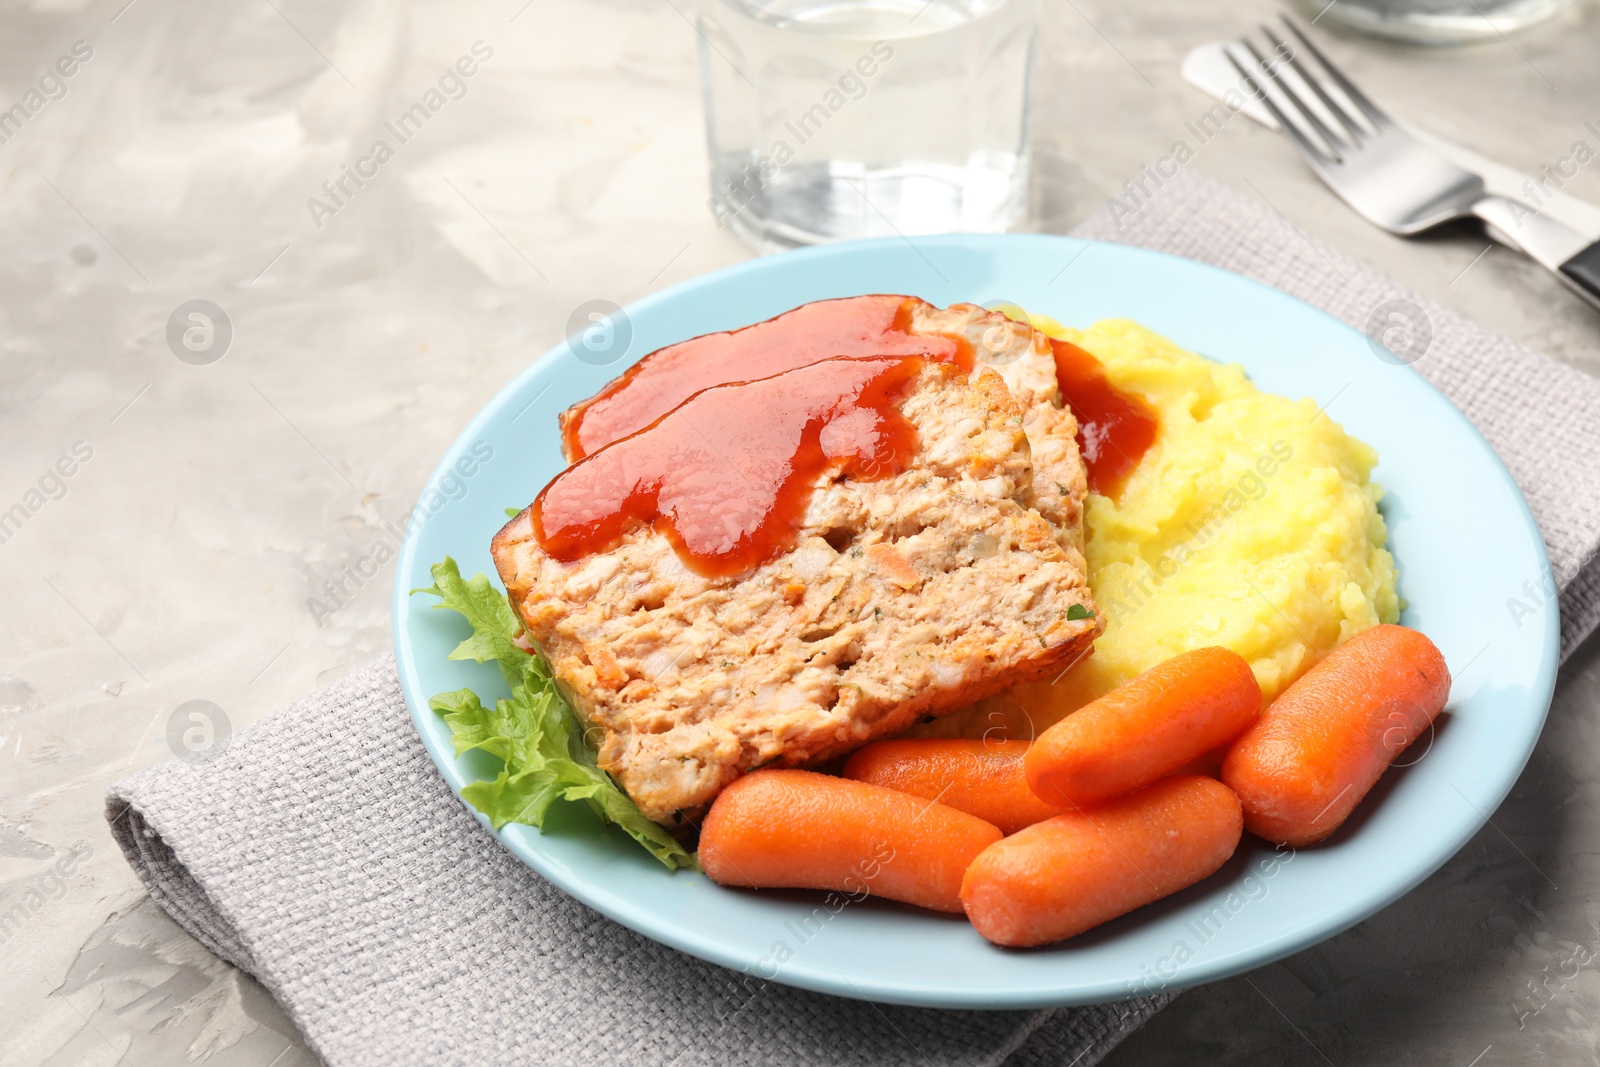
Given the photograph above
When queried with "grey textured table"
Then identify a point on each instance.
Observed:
(221, 539)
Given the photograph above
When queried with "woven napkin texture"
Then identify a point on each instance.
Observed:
(323, 853)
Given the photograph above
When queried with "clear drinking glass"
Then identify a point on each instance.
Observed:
(1435, 21)
(831, 119)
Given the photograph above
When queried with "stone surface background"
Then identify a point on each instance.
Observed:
(178, 561)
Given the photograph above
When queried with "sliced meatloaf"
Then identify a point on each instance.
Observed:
(1021, 355)
(908, 596)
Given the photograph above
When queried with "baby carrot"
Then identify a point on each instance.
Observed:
(1065, 875)
(1313, 755)
(1209, 765)
(982, 778)
(1171, 714)
(803, 830)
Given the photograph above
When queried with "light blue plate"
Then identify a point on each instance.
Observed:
(1458, 526)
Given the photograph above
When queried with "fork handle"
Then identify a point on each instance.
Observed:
(1570, 255)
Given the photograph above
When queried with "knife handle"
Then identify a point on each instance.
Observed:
(1583, 270)
(1567, 254)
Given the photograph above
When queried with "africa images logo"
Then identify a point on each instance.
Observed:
(338, 191)
(449, 487)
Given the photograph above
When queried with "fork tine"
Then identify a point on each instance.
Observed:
(1335, 143)
(1314, 151)
(1375, 114)
(1304, 73)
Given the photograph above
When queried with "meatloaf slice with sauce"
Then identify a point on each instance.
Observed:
(908, 595)
(1023, 358)
(881, 324)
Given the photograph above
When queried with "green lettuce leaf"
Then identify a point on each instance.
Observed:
(534, 733)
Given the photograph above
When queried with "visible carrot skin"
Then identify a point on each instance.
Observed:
(1302, 769)
(1170, 715)
(803, 830)
(982, 778)
(1209, 765)
(1068, 874)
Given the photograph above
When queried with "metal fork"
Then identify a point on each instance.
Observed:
(1390, 177)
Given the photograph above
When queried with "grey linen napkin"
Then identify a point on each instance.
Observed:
(323, 853)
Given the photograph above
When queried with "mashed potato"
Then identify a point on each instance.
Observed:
(1250, 523)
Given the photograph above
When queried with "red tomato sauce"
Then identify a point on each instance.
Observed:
(877, 325)
(1114, 429)
(727, 475)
